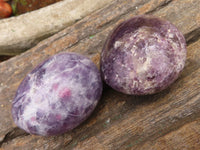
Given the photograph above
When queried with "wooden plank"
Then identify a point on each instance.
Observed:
(187, 137)
(120, 121)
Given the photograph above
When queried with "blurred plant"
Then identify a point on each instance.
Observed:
(14, 5)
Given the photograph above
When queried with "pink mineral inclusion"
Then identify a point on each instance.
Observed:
(33, 119)
(64, 93)
(55, 86)
(58, 117)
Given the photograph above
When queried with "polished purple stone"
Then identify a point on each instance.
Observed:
(57, 95)
(143, 55)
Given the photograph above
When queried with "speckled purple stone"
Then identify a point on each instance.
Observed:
(57, 95)
(143, 55)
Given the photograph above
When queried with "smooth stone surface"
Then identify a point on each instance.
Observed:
(143, 55)
(57, 95)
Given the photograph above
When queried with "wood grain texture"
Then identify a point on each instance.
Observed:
(167, 120)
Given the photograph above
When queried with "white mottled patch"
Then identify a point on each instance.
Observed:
(127, 45)
(133, 50)
(171, 35)
(144, 67)
(131, 38)
(117, 44)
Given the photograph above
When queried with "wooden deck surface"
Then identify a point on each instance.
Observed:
(168, 120)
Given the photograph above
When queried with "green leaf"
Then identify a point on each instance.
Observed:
(23, 2)
(14, 8)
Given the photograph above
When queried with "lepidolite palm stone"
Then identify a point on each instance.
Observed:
(143, 55)
(57, 95)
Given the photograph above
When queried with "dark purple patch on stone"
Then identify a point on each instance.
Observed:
(32, 129)
(24, 86)
(40, 115)
(39, 75)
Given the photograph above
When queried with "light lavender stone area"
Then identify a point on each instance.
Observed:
(57, 95)
(143, 55)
